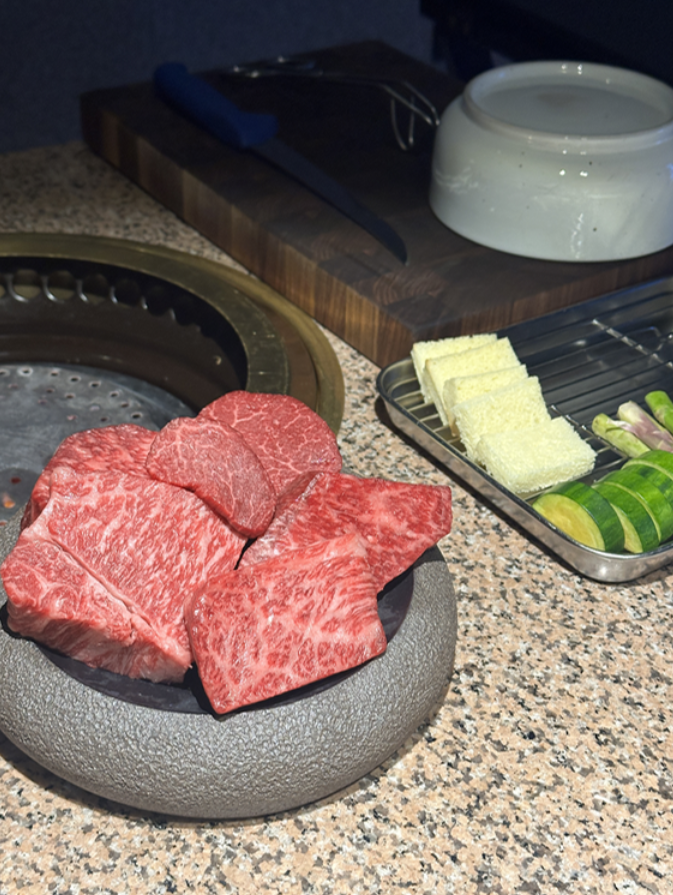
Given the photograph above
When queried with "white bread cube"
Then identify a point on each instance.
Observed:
(486, 358)
(516, 406)
(462, 388)
(422, 351)
(529, 460)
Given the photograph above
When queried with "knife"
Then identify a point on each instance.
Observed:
(256, 132)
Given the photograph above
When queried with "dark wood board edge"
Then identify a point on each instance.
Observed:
(333, 303)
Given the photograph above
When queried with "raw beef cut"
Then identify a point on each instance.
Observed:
(398, 521)
(210, 458)
(145, 543)
(291, 440)
(270, 628)
(123, 447)
(62, 606)
(131, 554)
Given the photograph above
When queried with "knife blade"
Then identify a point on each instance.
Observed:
(256, 132)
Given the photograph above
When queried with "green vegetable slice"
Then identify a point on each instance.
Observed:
(584, 515)
(656, 476)
(640, 531)
(648, 494)
(662, 407)
(612, 432)
(661, 460)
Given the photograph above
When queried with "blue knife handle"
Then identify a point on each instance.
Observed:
(205, 105)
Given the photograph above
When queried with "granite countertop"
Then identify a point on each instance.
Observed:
(547, 768)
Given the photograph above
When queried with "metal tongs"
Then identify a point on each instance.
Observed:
(401, 92)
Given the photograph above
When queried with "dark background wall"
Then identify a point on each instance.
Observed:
(52, 52)
(632, 33)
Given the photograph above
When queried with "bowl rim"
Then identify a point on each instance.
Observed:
(490, 80)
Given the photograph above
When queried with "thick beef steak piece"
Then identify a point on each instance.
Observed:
(210, 458)
(398, 521)
(145, 543)
(291, 440)
(58, 603)
(123, 447)
(297, 618)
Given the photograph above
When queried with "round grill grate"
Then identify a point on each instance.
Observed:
(41, 404)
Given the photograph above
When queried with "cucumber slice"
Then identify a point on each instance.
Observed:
(583, 514)
(654, 475)
(649, 495)
(661, 460)
(640, 531)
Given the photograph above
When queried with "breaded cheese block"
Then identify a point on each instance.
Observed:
(422, 351)
(462, 388)
(516, 406)
(538, 457)
(491, 356)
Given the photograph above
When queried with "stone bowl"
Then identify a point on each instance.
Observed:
(159, 748)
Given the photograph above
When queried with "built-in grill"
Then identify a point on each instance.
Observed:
(98, 332)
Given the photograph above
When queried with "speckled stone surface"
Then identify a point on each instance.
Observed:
(548, 768)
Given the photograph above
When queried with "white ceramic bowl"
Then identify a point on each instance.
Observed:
(560, 161)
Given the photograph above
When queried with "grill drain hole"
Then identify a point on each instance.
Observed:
(128, 292)
(26, 284)
(61, 286)
(96, 289)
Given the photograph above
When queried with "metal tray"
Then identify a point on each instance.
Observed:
(589, 359)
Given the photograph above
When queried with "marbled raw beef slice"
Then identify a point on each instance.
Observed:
(53, 600)
(298, 618)
(210, 458)
(291, 440)
(148, 544)
(398, 521)
(123, 448)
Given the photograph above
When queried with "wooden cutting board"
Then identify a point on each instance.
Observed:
(308, 251)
